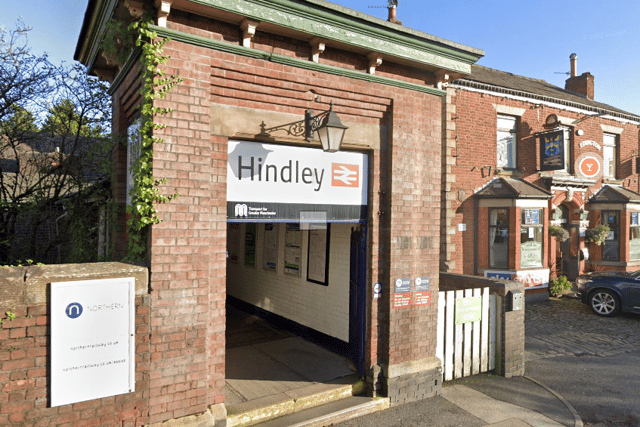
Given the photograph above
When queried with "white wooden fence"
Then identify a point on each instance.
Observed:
(466, 348)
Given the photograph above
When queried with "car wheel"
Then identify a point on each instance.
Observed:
(604, 302)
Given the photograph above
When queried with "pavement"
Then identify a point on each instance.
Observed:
(266, 366)
(479, 401)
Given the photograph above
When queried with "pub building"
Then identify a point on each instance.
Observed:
(533, 169)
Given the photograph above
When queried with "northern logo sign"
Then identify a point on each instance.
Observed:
(74, 310)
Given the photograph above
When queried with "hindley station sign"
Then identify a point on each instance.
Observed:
(92, 339)
(267, 183)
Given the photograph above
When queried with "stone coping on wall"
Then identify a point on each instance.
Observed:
(450, 281)
(26, 286)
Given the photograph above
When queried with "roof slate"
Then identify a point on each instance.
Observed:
(610, 194)
(511, 188)
(502, 79)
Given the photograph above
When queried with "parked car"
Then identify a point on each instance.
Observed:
(609, 293)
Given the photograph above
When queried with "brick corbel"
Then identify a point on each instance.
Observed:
(317, 48)
(248, 27)
(136, 8)
(442, 79)
(375, 60)
(164, 8)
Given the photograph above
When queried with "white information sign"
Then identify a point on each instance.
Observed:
(92, 339)
(285, 174)
(269, 183)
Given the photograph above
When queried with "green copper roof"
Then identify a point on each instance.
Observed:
(313, 18)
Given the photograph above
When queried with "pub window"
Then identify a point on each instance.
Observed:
(609, 155)
(507, 141)
(499, 238)
(634, 236)
(611, 245)
(531, 238)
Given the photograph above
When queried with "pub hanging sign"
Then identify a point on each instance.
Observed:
(552, 151)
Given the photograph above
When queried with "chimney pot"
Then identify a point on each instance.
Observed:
(574, 64)
(581, 85)
(392, 15)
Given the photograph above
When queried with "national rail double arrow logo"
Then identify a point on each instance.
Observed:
(344, 175)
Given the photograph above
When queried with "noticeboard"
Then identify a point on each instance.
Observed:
(92, 339)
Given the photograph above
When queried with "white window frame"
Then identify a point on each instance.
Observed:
(134, 146)
(567, 132)
(507, 142)
(609, 154)
(498, 252)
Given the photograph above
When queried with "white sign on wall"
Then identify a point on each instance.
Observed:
(92, 339)
(532, 279)
(276, 182)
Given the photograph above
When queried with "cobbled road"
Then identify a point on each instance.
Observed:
(565, 326)
(593, 361)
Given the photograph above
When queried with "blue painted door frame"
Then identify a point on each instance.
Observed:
(357, 296)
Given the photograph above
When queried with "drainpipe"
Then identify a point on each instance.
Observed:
(476, 209)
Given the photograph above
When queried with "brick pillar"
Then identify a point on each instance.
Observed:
(187, 249)
(449, 156)
(411, 371)
(510, 357)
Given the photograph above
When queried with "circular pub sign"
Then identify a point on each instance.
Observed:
(589, 165)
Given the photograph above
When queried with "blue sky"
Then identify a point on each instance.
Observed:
(533, 38)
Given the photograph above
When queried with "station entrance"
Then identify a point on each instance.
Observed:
(296, 267)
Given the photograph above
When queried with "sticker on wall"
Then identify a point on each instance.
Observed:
(402, 293)
(422, 298)
(402, 300)
(377, 290)
(422, 284)
(402, 285)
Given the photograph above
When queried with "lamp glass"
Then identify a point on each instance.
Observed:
(331, 132)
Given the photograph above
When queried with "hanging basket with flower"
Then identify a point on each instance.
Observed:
(560, 233)
(598, 234)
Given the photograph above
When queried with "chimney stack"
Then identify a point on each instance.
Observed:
(580, 85)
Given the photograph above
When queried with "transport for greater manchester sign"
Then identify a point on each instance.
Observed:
(267, 182)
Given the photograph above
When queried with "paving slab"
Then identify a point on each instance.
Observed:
(307, 359)
(521, 391)
(253, 374)
(491, 410)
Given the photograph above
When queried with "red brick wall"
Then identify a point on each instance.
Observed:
(474, 134)
(25, 376)
(187, 254)
(188, 247)
(415, 219)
